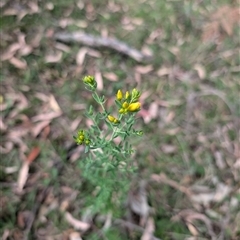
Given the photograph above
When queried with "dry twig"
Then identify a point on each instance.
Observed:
(93, 41)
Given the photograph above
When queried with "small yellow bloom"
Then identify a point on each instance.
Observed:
(119, 95)
(122, 110)
(111, 118)
(81, 137)
(127, 95)
(116, 121)
(89, 79)
(133, 107)
(125, 105)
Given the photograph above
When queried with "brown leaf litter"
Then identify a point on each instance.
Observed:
(221, 23)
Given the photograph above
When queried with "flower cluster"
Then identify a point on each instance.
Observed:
(90, 82)
(82, 138)
(128, 102)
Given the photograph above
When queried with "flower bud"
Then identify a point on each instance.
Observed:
(81, 137)
(122, 110)
(119, 95)
(116, 121)
(139, 133)
(133, 107)
(135, 95)
(113, 119)
(127, 94)
(125, 105)
(90, 82)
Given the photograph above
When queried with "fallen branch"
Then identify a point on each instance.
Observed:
(93, 41)
(126, 224)
(162, 178)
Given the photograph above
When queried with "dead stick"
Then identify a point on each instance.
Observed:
(93, 41)
(163, 178)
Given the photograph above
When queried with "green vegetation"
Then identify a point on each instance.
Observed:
(189, 114)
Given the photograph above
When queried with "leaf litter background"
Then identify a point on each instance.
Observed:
(183, 55)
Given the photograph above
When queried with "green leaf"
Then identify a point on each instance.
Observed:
(101, 115)
(116, 150)
(102, 99)
(90, 110)
(94, 128)
(118, 103)
(86, 149)
(95, 97)
(109, 125)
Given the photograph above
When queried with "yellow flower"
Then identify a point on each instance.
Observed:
(125, 105)
(119, 95)
(81, 137)
(116, 121)
(122, 110)
(113, 119)
(133, 107)
(127, 95)
(89, 79)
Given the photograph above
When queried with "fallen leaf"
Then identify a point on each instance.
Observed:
(8, 146)
(81, 56)
(144, 69)
(111, 76)
(75, 154)
(46, 132)
(22, 176)
(33, 155)
(200, 70)
(25, 50)
(75, 123)
(6, 234)
(149, 230)
(10, 52)
(53, 104)
(99, 80)
(192, 229)
(225, 18)
(3, 127)
(23, 218)
(75, 236)
(11, 170)
(37, 128)
(21, 64)
(168, 149)
(151, 113)
(64, 22)
(164, 71)
(146, 50)
(93, 53)
(41, 96)
(63, 47)
(219, 160)
(54, 57)
(77, 224)
(46, 116)
(49, 6)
